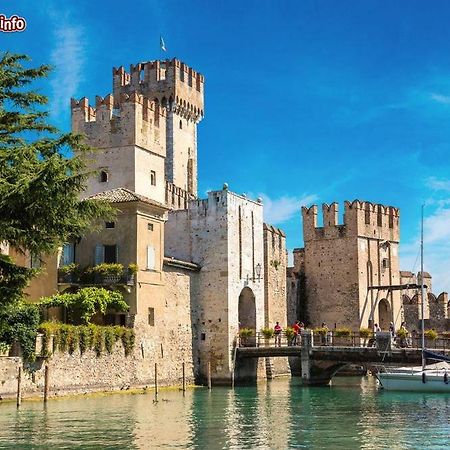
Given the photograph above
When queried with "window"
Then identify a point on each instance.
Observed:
(181, 124)
(150, 258)
(151, 317)
(67, 255)
(35, 261)
(385, 263)
(110, 225)
(104, 176)
(153, 178)
(110, 254)
(150, 226)
(203, 336)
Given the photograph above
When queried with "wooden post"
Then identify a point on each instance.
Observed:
(156, 380)
(19, 387)
(46, 382)
(209, 375)
(184, 379)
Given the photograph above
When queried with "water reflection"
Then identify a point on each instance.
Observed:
(280, 414)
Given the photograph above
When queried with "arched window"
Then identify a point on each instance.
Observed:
(104, 176)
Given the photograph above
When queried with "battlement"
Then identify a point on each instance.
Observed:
(170, 82)
(126, 119)
(361, 218)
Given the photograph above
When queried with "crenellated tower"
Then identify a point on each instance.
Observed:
(146, 131)
(348, 267)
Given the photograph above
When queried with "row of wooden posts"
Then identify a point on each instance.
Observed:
(47, 378)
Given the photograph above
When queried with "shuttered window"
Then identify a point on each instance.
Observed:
(150, 257)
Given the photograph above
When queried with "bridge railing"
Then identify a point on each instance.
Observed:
(337, 339)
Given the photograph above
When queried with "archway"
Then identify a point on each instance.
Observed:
(247, 309)
(384, 314)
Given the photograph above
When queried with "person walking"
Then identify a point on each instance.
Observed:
(277, 330)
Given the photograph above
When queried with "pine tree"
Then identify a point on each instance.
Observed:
(39, 186)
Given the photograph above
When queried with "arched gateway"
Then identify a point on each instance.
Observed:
(247, 309)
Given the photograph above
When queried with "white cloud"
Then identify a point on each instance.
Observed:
(282, 209)
(68, 59)
(437, 184)
(444, 99)
(436, 250)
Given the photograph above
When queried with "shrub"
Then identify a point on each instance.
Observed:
(365, 333)
(4, 347)
(321, 331)
(342, 332)
(69, 268)
(108, 269)
(267, 332)
(289, 332)
(431, 334)
(128, 340)
(109, 339)
(246, 332)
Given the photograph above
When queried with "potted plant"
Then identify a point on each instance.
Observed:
(247, 336)
(342, 336)
(402, 336)
(66, 273)
(131, 273)
(268, 334)
(364, 334)
(430, 338)
(108, 273)
(289, 333)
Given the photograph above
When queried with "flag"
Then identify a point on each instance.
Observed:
(162, 45)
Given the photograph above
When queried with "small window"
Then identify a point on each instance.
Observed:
(153, 178)
(104, 176)
(385, 263)
(203, 336)
(150, 227)
(110, 225)
(35, 262)
(181, 124)
(151, 317)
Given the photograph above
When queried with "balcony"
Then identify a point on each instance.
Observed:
(102, 274)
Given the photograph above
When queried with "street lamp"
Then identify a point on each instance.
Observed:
(257, 272)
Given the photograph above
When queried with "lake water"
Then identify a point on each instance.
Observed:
(279, 414)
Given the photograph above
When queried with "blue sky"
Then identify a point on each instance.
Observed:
(311, 101)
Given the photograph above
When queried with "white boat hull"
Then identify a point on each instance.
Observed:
(413, 382)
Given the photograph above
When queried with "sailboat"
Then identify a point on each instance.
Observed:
(425, 378)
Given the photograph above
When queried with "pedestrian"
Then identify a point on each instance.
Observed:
(404, 335)
(296, 329)
(392, 329)
(376, 328)
(277, 330)
(324, 333)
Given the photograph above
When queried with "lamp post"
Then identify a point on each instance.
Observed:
(257, 273)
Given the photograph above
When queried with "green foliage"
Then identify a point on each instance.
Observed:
(342, 332)
(69, 338)
(321, 331)
(108, 269)
(289, 332)
(40, 187)
(246, 332)
(431, 334)
(69, 268)
(18, 322)
(85, 303)
(133, 269)
(4, 347)
(365, 333)
(267, 332)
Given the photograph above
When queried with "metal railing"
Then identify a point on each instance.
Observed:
(337, 339)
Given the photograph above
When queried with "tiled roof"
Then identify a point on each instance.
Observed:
(122, 195)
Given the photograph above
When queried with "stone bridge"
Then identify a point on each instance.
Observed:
(319, 363)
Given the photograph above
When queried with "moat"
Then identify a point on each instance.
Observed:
(280, 414)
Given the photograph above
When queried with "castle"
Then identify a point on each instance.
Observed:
(208, 267)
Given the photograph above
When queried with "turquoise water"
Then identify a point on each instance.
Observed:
(279, 414)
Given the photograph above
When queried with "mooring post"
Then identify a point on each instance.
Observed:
(46, 382)
(209, 375)
(184, 379)
(19, 387)
(156, 380)
(307, 343)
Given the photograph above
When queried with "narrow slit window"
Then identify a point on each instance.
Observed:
(153, 178)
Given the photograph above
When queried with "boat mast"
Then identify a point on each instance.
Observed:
(422, 290)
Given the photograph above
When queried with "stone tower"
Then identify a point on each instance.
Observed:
(343, 264)
(146, 131)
